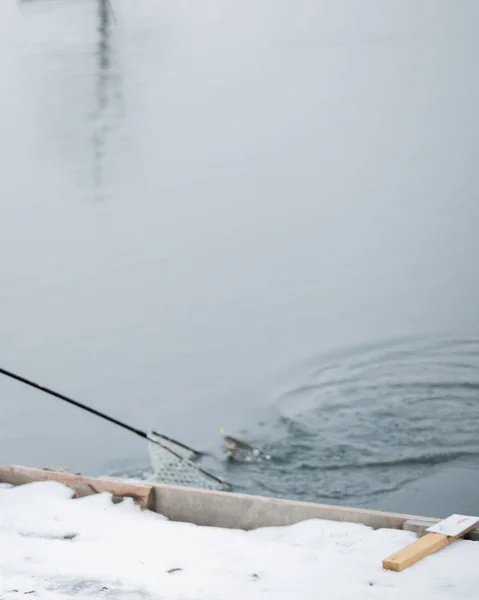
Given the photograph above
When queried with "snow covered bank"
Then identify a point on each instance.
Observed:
(54, 547)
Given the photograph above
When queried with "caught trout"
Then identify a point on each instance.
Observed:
(241, 451)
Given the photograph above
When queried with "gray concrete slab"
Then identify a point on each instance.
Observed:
(242, 511)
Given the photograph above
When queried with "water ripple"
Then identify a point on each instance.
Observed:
(364, 421)
(367, 421)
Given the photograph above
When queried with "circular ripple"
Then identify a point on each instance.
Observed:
(360, 423)
(363, 422)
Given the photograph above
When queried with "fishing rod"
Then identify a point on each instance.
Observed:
(135, 430)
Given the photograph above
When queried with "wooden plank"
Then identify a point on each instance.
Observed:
(142, 494)
(425, 546)
(430, 543)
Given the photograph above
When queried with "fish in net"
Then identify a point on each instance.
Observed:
(176, 464)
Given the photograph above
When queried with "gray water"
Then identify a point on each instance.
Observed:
(255, 215)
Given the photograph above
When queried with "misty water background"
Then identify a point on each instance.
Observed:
(255, 215)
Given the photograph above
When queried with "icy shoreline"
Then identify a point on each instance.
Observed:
(53, 547)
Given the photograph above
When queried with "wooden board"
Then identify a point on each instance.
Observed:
(425, 546)
(142, 494)
(430, 543)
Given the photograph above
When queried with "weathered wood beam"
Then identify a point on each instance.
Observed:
(142, 494)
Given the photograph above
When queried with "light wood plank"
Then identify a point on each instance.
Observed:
(430, 543)
(424, 546)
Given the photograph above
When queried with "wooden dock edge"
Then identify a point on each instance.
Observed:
(142, 494)
(229, 510)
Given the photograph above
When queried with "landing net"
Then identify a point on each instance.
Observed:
(174, 463)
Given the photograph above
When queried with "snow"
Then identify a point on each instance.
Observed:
(54, 547)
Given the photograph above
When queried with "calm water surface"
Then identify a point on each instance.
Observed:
(255, 215)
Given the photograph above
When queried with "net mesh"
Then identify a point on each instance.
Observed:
(173, 463)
